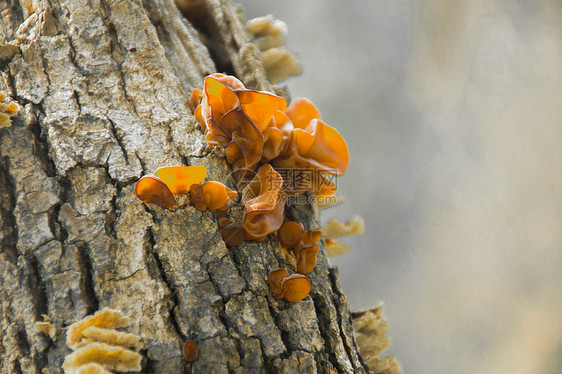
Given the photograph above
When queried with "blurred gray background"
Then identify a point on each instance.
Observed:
(453, 114)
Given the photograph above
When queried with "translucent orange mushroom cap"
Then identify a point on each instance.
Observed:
(307, 258)
(263, 204)
(191, 351)
(275, 280)
(301, 112)
(217, 195)
(180, 178)
(290, 234)
(311, 237)
(260, 106)
(295, 288)
(151, 189)
(323, 147)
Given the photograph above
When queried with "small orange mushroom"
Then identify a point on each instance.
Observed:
(277, 136)
(260, 106)
(263, 213)
(307, 258)
(293, 288)
(290, 234)
(180, 178)
(195, 98)
(190, 353)
(211, 195)
(231, 234)
(197, 197)
(318, 146)
(235, 117)
(310, 237)
(329, 242)
(275, 280)
(151, 189)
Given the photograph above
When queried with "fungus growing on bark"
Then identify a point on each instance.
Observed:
(111, 337)
(211, 195)
(8, 109)
(304, 244)
(151, 189)
(293, 288)
(263, 26)
(195, 99)
(234, 117)
(280, 63)
(159, 188)
(371, 335)
(290, 234)
(100, 348)
(263, 204)
(306, 259)
(46, 327)
(314, 145)
(335, 229)
(231, 233)
(275, 280)
(105, 318)
(92, 369)
(336, 247)
(180, 178)
(107, 356)
(307, 250)
(190, 353)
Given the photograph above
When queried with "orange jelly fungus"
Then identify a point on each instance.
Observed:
(231, 234)
(290, 234)
(275, 279)
(190, 351)
(235, 117)
(314, 145)
(304, 244)
(293, 288)
(277, 136)
(151, 189)
(211, 195)
(195, 98)
(306, 259)
(311, 237)
(263, 213)
(180, 178)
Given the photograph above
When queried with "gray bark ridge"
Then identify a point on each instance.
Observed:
(104, 87)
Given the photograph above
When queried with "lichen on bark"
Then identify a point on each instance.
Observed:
(104, 88)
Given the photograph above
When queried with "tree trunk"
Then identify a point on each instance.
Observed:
(103, 87)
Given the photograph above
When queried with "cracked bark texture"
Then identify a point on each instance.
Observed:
(104, 87)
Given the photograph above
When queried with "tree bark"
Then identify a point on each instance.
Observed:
(104, 86)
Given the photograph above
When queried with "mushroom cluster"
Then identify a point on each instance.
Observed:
(268, 34)
(304, 244)
(264, 141)
(159, 188)
(99, 347)
(260, 132)
(8, 109)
